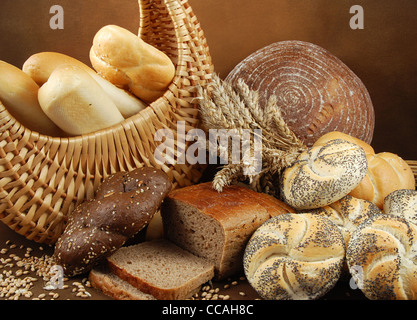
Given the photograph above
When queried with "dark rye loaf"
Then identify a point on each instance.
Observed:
(124, 204)
(217, 226)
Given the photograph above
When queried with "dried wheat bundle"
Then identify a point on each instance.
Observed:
(238, 108)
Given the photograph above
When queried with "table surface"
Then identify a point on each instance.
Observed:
(14, 248)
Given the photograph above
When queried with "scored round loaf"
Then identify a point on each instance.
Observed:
(402, 203)
(323, 174)
(348, 213)
(124, 204)
(381, 257)
(316, 91)
(294, 257)
(386, 173)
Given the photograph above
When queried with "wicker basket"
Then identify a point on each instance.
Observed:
(43, 178)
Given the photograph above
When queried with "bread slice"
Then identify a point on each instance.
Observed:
(217, 225)
(162, 269)
(114, 287)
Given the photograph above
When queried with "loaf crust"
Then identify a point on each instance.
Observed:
(402, 203)
(124, 204)
(316, 91)
(217, 226)
(294, 257)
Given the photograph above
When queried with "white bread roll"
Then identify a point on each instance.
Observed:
(294, 257)
(348, 213)
(127, 61)
(381, 256)
(76, 103)
(402, 203)
(323, 174)
(19, 94)
(386, 173)
(40, 66)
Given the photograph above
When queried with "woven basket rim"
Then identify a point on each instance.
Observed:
(71, 162)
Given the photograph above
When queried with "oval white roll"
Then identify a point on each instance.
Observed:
(76, 103)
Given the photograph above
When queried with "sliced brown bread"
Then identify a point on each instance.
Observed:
(217, 225)
(114, 287)
(162, 269)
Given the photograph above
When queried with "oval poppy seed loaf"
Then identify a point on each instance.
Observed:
(294, 257)
(316, 91)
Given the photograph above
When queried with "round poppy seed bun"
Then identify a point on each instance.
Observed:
(402, 203)
(315, 90)
(381, 257)
(323, 174)
(294, 257)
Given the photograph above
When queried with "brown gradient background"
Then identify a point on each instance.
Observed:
(383, 55)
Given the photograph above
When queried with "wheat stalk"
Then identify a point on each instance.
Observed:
(225, 107)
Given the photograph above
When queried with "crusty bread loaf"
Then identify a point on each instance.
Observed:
(323, 174)
(217, 226)
(348, 213)
(19, 94)
(381, 256)
(386, 172)
(294, 257)
(402, 203)
(40, 66)
(113, 286)
(127, 61)
(316, 91)
(161, 269)
(76, 103)
(124, 204)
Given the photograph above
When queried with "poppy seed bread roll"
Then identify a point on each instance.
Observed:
(381, 257)
(294, 257)
(386, 173)
(323, 174)
(402, 203)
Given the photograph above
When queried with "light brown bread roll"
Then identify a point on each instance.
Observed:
(19, 94)
(402, 203)
(316, 91)
(127, 61)
(381, 256)
(323, 174)
(40, 66)
(76, 103)
(294, 257)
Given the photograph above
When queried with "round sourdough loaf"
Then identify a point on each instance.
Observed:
(323, 174)
(402, 203)
(381, 255)
(294, 257)
(316, 91)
